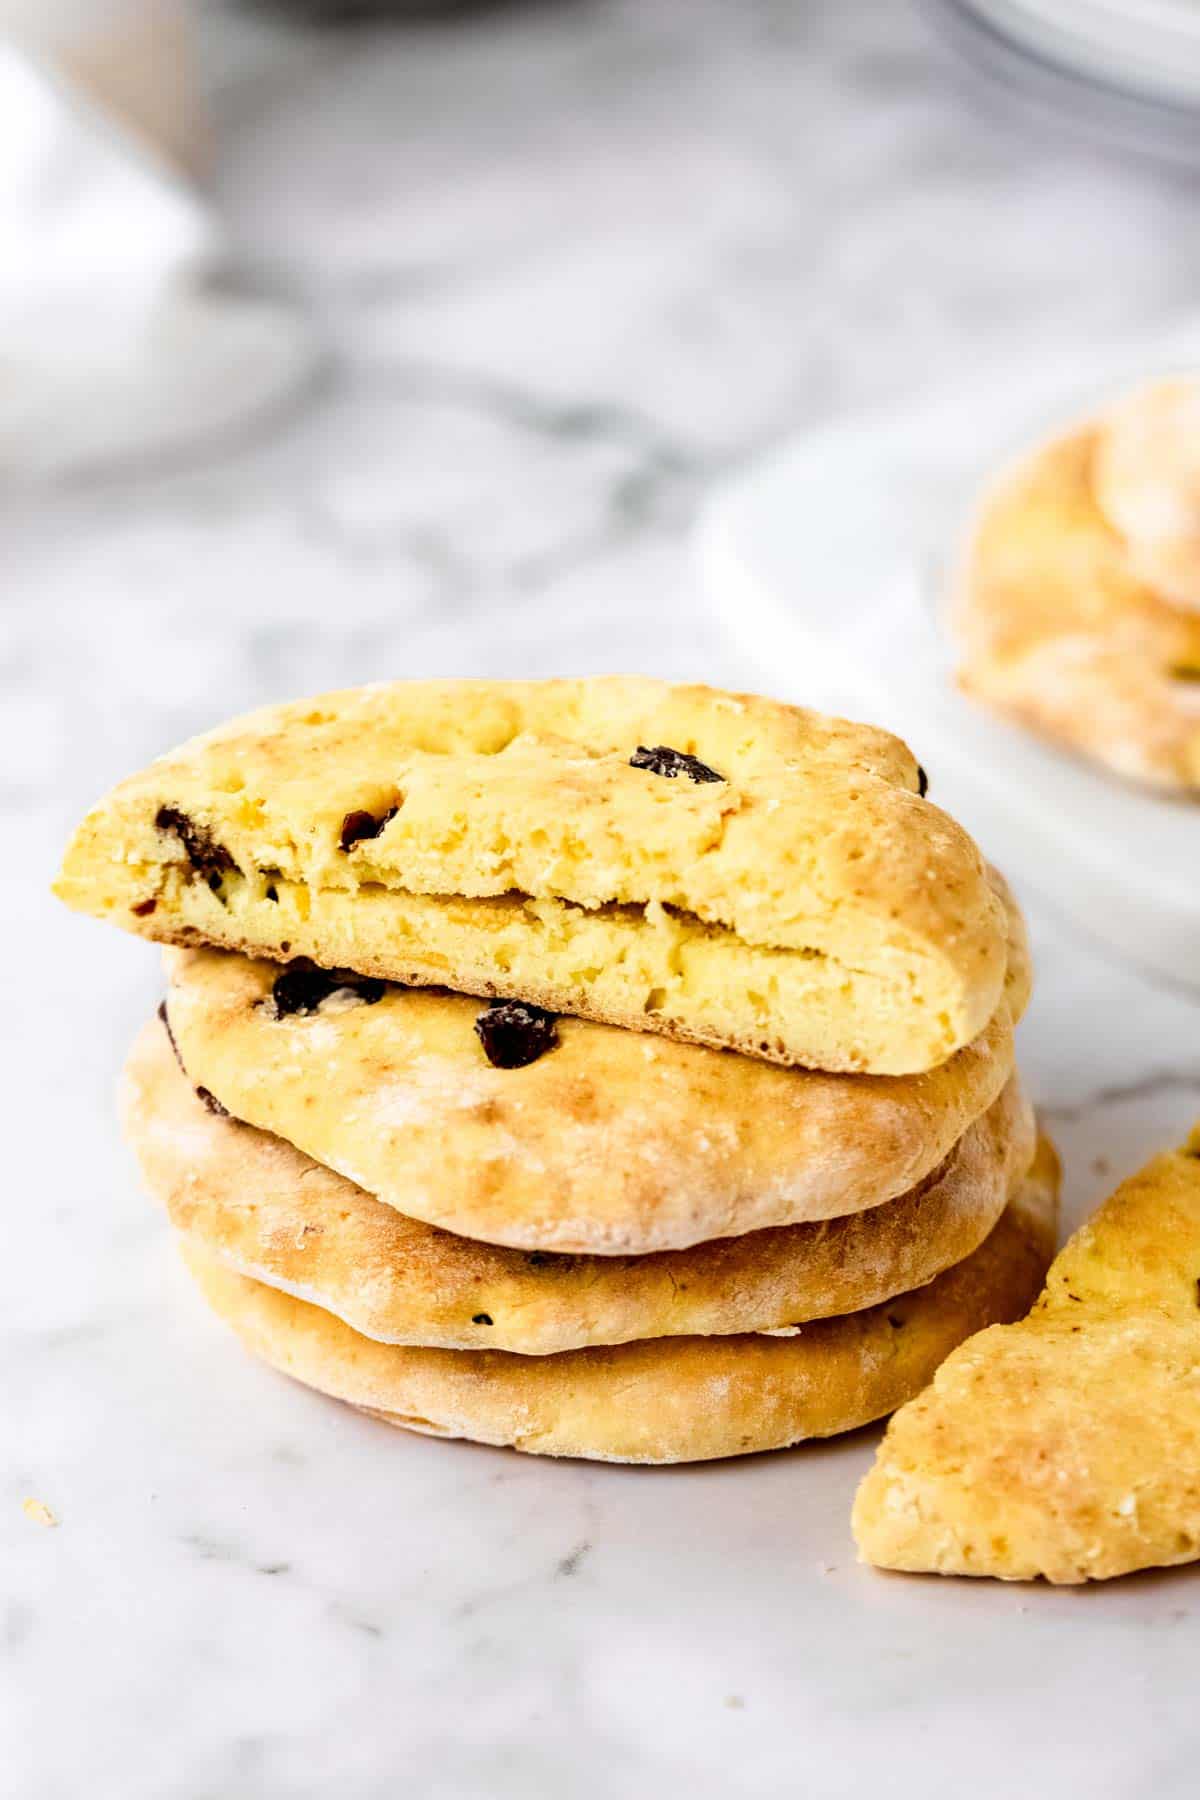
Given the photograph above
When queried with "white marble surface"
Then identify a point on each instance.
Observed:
(573, 262)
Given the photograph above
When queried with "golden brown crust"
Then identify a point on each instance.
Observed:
(808, 907)
(1146, 482)
(1068, 1445)
(1018, 974)
(1058, 630)
(269, 1212)
(667, 1400)
(612, 1143)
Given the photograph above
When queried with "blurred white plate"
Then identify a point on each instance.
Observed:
(1124, 72)
(825, 562)
(1148, 46)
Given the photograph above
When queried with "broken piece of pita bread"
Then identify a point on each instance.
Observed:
(1068, 1445)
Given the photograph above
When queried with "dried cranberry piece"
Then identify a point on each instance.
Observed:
(356, 826)
(206, 856)
(514, 1034)
(662, 760)
(302, 987)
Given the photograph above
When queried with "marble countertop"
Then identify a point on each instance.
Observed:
(573, 263)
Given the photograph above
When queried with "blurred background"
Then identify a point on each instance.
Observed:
(340, 343)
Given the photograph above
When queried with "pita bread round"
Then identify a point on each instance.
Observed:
(266, 1210)
(611, 1143)
(711, 866)
(665, 1400)
(1146, 479)
(1060, 627)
